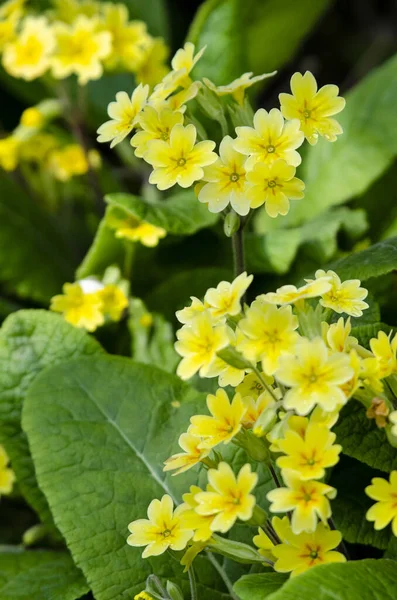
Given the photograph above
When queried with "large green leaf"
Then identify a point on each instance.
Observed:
(259, 586)
(357, 580)
(39, 262)
(361, 439)
(335, 172)
(40, 575)
(376, 260)
(153, 12)
(31, 340)
(99, 429)
(246, 35)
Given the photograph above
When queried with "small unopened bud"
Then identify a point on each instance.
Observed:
(231, 224)
(237, 551)
(174, 592)
(265, 422)
(378, 411)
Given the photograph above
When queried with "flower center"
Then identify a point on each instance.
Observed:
(313, 554)
(164, 136)
(181, 162)
(270, 148)
(306, 497)
(166, 533)
(307, 113)
(234, 177)
(311, 462)
(272, 183)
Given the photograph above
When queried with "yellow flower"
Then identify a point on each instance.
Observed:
(80, 50)
(264, 543)
(79, 308)
(343, 297)
(123, 115)
(224, 422)
(163, 529)
(69, 10)
(385, 508)
(337, 336)
(9, 150)
(268, 333)
(153, 67)
(229, 497)
(38, 147)
(201, 524)
(139, 231)
(255, 407)
(180, 160)
(32, 117)
(142, 596)
(7, 475)
(227, 183)
(154, 125)
(289, 294)
(29, 55)
(7, 31)
(114, 301)
(314, 376)
(198, 344)
(273, 185)
(68, 162)
(225, 299)
(187, 314)
(313, 107)
(237, 87)
(129, 38)
(184, 60)
(11, 8)
(270, 139)
(298, 553)
(371, 375)
(309, 456)
(308, 501)
(354, 382)
(252, 385)
(384, 349)
(192, 455)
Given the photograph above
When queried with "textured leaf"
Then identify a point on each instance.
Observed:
(361, 439)
(40, 575)
(31, 340)
(259, 586)
(335, 172)
(99, 429)
(246, 35)
(39, 262)
(376, 260)
(364, 333)
(356, 580)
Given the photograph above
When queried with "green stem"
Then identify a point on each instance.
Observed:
(267, 387)
(342, 545)
(238, 252)
(274, 475)
(223, 575)
(193, 583)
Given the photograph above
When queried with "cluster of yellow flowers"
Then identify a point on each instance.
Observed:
(293, 367)
(254, 169)
(7, 475)
(82, 38)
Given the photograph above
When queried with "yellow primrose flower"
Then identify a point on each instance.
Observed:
(80, 309)
(129, 38)
(308, 501)
(37, 148)
(226, 181)
(227, 375)
(201, 524)
(289, 294)
(337, 336)
(298, 553)
(180, 160)
(153, 67)
(255, 407)
(314, 376)
(154, 125)
(184, 60)
(309, 456)
(313, 107)
(143, 596)
(343, 297)
(187, 314)
(114, 301)
(11, 8)
(264, 544)
(270, 139)
(273, 185)
(229, 497)
(9, 151)
(163, 529)
(252, 385)
(80, 50)
(198, 344)
(65, 163)
(193, 453)
(237, 87)
(123, 115)
(292, 422)
(224, 422)
(371, 375)
(385, 508)
(134, 230)
(384, 349)
(355, 382)
(225, 299)
(29, 55)
(267, 332)
(32, 117)
(7, 31)
(7, 475)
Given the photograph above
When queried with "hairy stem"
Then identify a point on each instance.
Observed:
(223, 575)
(193, 583)
(267, 387)
(274, 475)
(238, 252)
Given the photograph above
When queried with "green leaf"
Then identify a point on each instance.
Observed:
(361, 439)
(181, 214)
(99, 429)
(153, 12)
(354, 580)
(259, 586)
(31, 340)
(377, 260)
(364, 333)
(40, 575)
(39, 262)
(232, 357)
(152, 342)
(246, 35)
(335, 172)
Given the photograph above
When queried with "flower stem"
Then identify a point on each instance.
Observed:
(223, 575)
(193, 583)
(274, 475)
(267, 387)
(238, 252)
(342, 544)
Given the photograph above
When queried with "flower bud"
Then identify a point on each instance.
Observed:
(231, 224)
(265, 422)
(237, 551)
(174, 592)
